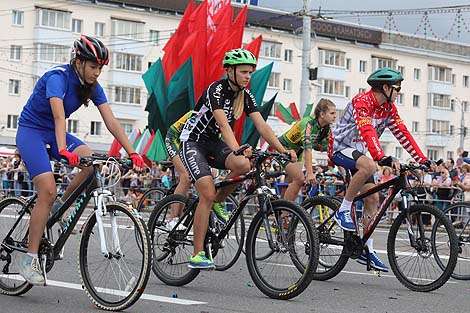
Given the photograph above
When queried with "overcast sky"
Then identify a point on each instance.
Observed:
(441, 23)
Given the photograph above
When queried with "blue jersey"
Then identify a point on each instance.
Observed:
(61, 82)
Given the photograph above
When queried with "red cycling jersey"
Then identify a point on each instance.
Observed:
(363, 123)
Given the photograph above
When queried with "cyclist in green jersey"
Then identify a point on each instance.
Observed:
(307, 134)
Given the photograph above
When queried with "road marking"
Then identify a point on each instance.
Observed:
(145, 296)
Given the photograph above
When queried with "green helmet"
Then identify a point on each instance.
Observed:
(384, 75)
(239, 57)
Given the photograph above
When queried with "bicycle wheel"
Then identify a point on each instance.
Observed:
(114, 279)
(172, 248)
(231, 246)
(333, 257)
(459, 215)
(276, 276)
(149, 201)
(11, 283)
(416, 264)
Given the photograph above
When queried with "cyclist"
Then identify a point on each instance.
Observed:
(58, 93)
(172, 144)
(201, 146)
(307, 134)
(358, 132)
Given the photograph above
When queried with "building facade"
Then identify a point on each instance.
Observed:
(433, 102)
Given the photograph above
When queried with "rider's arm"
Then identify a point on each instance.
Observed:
(57, 106)
(114, 127)
(225, 129)
(266, 131)
(363, 118)
(399, 130)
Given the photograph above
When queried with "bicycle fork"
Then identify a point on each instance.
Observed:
(100, 211)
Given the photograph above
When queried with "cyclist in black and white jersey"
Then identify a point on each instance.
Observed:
(202, 147)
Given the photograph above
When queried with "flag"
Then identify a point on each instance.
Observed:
(143, 140)
(308, 110)
(180, 94)
(146, 148)
(133, 136)
(255, 45)
(251, 135)
(114, 149)
(171, 58)
(294, 111)
(157, 150)
(284, 114)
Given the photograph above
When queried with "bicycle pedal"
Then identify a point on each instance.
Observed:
(375, 272)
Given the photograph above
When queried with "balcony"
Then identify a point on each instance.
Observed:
(438, 87)
(129, 111)
(331, 72)
(437, 140)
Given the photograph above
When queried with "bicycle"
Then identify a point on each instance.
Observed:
(459, 215)
(411, 245)
(114, 272)
(294, 239)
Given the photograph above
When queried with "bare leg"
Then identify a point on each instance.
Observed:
(183, 185)
(206, 190)
(238, 165)
(46, 189)
(294, 172)
(81, 151)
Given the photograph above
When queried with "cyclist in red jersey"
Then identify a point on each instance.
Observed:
(358, 132)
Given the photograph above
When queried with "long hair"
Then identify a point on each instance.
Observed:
(323, 106)
(85, 91)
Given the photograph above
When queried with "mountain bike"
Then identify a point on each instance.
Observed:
(270, 251)
(459, 214)
(114, 272)
(414, 250)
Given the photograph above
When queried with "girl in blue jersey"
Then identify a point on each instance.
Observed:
(58, 93)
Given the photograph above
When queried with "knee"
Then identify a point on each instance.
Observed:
(372, 200)
(207, 196)
(48, 195)
(242, 166)
(368, 167)
(297, 180)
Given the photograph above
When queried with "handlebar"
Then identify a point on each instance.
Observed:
(90, 160)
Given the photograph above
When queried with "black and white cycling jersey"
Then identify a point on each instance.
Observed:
(219, 95)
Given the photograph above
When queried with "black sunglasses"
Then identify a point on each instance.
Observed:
(396, 87)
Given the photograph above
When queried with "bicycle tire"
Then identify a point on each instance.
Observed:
(462, 229)
(225, 257)
(170, 256)
(407, 265)
(286, 288)
(332, 258)
(10, 209)
(149, 201)
(133, 264)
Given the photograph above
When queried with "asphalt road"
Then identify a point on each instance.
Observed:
(354, 290)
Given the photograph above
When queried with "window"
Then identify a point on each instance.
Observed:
(362, 66)
(441, 74)
(464, 104)
(154, 35)
(451, 130)
(72, 126)
(439, 101)
(77, 25)
(417, 74)
(270, 50)
(17, 17)
(383, 62)
(398, 152)
(438, 127)
(348, 64)
(333, 87)
(99, 29)
(432, 154)
(415, 127)
(400, 99)
(287, 85)
(127, 95)
(127, 127)
(127, 62)
(362, 90)
(333, 58)
(53, 53)
(450, 154)
(347, 91)
(274, 80)
(401, 69)
(415, 101)
(15, 53)
(288, 55)
(95, 128)
(12, 121)
(453, 79)
(127, 29)
(53, 19)
(14, 87)
(465, 81)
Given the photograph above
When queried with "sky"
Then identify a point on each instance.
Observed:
(440, 23)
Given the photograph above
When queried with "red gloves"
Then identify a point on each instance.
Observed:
(137, 161)
(72, 158)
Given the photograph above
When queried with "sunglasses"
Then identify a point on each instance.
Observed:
(396, 87)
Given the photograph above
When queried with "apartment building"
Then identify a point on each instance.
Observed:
(38, 34)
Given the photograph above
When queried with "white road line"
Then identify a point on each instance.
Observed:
(145, 296)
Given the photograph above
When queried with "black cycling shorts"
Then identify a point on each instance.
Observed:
(199, 157)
